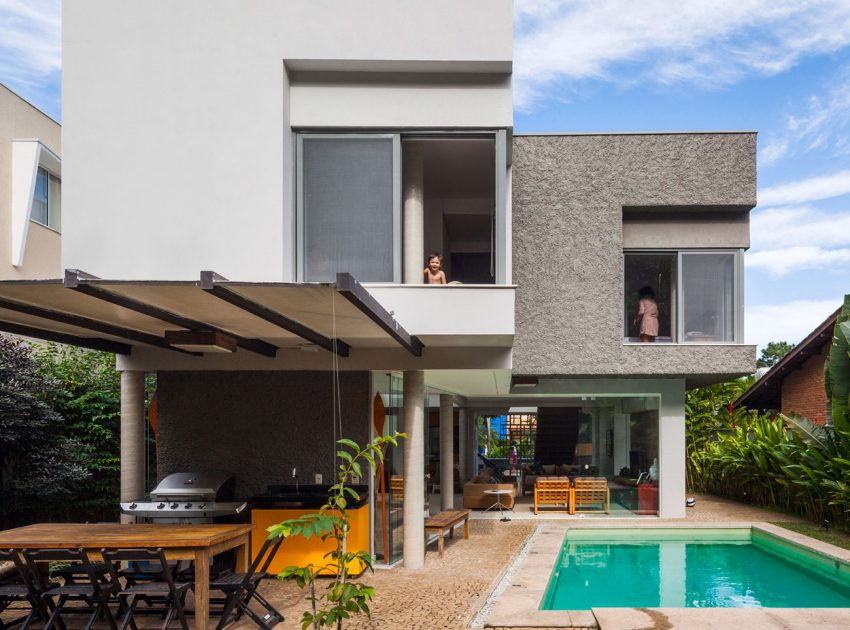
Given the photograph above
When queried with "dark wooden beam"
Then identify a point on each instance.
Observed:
(93, 343)
(80, 281)
(353, 291)
(210, 281)
(89, 324)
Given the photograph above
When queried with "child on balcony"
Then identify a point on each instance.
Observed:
(433, 272)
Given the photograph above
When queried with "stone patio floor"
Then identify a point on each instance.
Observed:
(449, 592)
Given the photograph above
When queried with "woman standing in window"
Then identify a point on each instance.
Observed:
(647, 314)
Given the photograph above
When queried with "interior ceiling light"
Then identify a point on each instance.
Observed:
(200, 340)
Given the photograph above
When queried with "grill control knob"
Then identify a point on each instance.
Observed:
(201, 506)
(173, 506)
(133, 506)
(160, 506)
(188, 506)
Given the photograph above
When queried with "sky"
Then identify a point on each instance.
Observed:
(778, 67)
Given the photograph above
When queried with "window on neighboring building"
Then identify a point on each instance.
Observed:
(697, 294)
(47, 199)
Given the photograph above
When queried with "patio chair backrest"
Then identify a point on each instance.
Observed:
(153, 557)
(34, 556)
(553, 490)
(264, 557)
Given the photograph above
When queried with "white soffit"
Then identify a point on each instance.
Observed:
(27, 156)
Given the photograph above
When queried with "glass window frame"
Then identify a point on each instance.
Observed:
(53, 218)
(679, 324)
(502, 230)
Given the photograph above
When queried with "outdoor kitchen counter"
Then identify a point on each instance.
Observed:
(180, 542)
(282, 503)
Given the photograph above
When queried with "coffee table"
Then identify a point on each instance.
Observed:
(498, 493)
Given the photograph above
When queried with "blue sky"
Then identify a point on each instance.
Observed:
(779, 67)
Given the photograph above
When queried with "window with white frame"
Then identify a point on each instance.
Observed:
(47, 199)
(695, 296)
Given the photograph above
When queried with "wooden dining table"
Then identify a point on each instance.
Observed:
(180, 542)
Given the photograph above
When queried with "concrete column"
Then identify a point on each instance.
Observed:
(413, 180)
(414, 469)
(462, 442)
(132, 438)
(447, 458)
(671, 450)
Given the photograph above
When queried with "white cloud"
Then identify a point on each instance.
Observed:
(823, 124)
(707, 42)
(798, 225)
(781, 262)
(30, 41)
(802, 191)
(786, 321)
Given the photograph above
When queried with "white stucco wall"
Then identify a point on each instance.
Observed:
(177, 120)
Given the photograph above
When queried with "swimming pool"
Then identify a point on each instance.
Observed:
(692, 568)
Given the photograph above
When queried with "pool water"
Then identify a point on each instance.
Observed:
(708, 571)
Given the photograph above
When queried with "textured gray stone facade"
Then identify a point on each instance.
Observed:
(568, 198)
(257, 425)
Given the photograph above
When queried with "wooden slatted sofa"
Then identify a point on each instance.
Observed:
(553, 491)
(591, 494)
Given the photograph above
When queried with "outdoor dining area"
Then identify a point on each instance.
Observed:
(115, 572)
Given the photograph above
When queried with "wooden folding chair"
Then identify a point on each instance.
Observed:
(92, 591)
(162, 590)
(241, 588)
(21, 588)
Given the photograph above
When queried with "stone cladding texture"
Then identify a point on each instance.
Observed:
(257, 425)
(568, 199)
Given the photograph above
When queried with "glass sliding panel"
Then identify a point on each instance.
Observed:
(347, 207)
(388, 492)
(40, 197)
(708, 301)
(657, 272)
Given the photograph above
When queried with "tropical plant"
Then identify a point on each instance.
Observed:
(342, 597)
(708, 412)
(837, 369)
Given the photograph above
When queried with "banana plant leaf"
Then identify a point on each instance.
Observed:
(839, 368)
(810, 432)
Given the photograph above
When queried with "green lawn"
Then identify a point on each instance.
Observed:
(834, 537)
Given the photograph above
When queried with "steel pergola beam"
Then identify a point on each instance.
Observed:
(348, 286)
(87, 323)
(82, 282)
(212, 283)
(92, 343)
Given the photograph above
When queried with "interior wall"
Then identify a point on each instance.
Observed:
(257, 425)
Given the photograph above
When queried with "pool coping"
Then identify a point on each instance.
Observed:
(518, 596)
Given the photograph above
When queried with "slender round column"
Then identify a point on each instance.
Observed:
(413, 180)
(414, 469)
(462, 455)
(132, 438)
(447, 458)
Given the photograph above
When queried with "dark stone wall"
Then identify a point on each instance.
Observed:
(257, 425)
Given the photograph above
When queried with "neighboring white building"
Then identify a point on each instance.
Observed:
(281, 143)
(30, 190)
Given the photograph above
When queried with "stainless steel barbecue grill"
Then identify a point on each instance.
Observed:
(188, 497)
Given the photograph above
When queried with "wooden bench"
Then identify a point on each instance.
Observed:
(553, 491)
(447, 520)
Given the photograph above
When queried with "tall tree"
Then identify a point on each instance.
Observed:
(773, 352)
